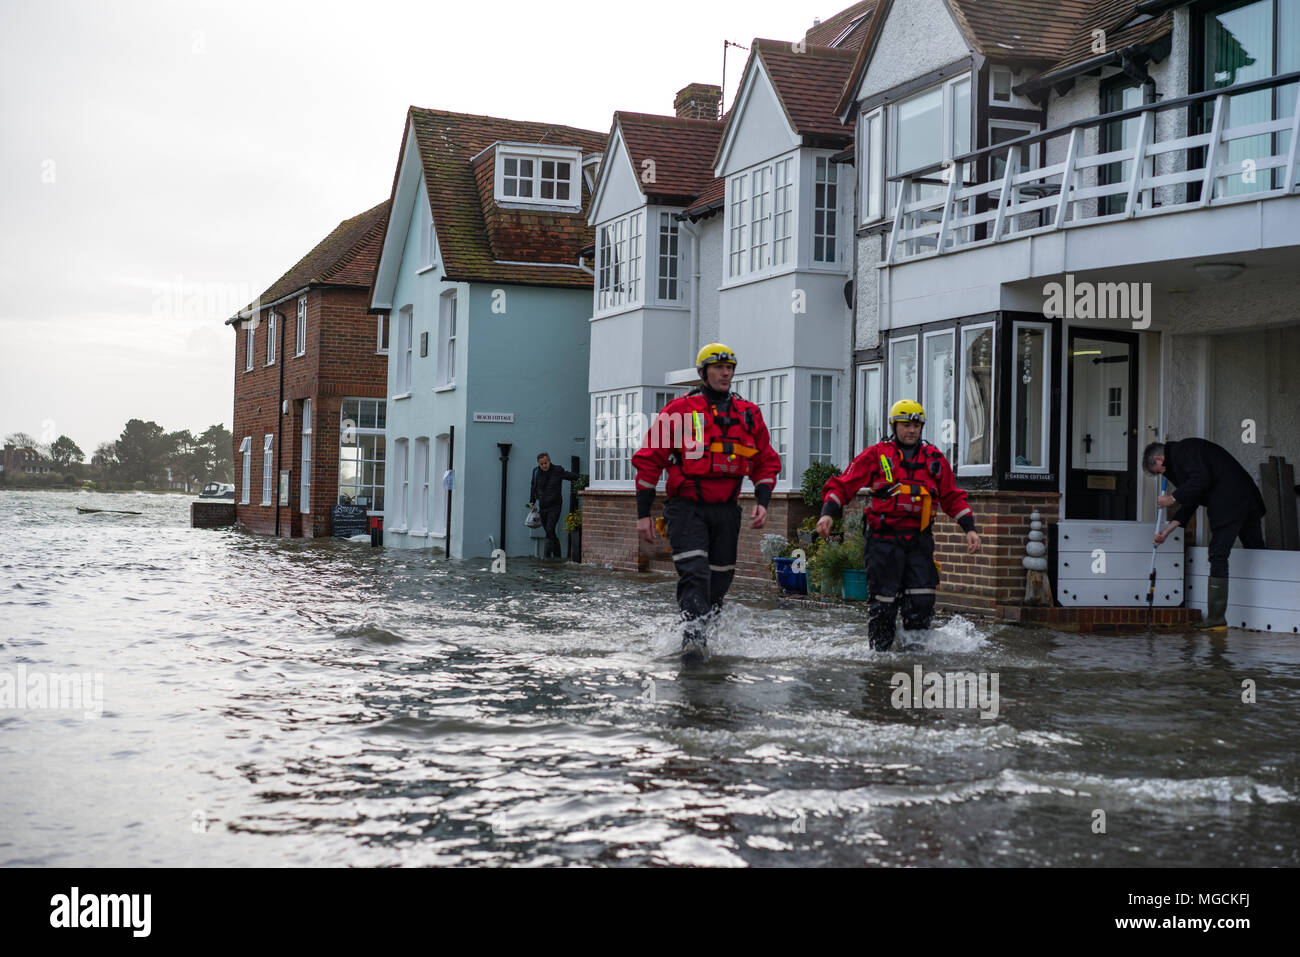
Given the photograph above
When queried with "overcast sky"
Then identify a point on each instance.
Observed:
(162, 163)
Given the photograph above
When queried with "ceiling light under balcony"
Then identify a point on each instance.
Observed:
(1219, 272)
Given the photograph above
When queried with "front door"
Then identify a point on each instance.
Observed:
(1101, 464)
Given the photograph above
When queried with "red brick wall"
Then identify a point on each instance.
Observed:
(340, 361)
(609, 533)
(972, 584)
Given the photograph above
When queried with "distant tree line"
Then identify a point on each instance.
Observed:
(145, 455)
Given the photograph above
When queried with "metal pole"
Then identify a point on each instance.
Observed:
(505, 461)
(451, 464)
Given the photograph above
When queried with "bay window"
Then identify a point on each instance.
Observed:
(770, 392)
(904, 380)
(760, 219)
(668, 246)
(975, 441)
(826, 211)
(1030, 395)
(821, 418)
(619, 267)
(940, 421)
(619, 429)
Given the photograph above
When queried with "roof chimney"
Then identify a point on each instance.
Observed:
(699, 101)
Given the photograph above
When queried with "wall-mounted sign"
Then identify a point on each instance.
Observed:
(284, 489)
(498, 418)
(1101, 483)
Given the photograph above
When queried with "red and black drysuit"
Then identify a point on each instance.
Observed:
(708, 442)
(904, 483)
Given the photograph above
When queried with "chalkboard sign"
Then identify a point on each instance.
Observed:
(351, 520)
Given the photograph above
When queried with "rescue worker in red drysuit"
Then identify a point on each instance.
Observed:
(904, 476)
(708, 441)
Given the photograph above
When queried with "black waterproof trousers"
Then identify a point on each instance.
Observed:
(900, 573)
(1222, 536)
(704, 540)
(551, 518)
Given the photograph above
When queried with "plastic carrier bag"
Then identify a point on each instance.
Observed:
(534, 519)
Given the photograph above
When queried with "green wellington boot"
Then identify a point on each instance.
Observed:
(1218, 604)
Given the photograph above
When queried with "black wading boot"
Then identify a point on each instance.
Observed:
(1214, 619)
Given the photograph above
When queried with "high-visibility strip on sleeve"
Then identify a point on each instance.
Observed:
(964, 511)
(642, 483)
(766, 481)
(835, 498)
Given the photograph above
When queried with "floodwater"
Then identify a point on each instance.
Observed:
(319, 703)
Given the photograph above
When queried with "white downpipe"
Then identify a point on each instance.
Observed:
(694, 232)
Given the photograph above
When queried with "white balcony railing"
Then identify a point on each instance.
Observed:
(943, 209)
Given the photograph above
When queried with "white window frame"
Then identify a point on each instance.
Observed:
(669, 260)
(539, 155)
(867, 395)
(419, 522)
(268, 474)
(355, 429)
(620, 273)
(272, 327)
(934, 416)
(246, 450)
(448, 306)
(304, 480)
(891, 396)
(964, 467)
(441, 452)
(428, 235)
(1024, 128)
(781, 435)
(763, 220)
(833, 170)
(1046, 442)
(832, 383)
(402, 483)
(302, 327)
(250, 344)
(617, 430)
(382, 329)
(1011, 96)
(871, 164)
(946, 140)
(405, 347)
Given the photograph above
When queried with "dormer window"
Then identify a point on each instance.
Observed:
(539, 176)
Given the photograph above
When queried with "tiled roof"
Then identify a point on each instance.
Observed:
(1049, 36)
(681, 150)
(1110, 16)
(713, 194)
(1020, 30)
(346, 257)
(479, 240)
(826, 32)
(808, 82)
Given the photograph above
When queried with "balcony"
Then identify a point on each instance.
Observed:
(995, 195)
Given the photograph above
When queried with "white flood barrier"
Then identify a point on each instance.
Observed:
(1109, 563)
(1263, 588)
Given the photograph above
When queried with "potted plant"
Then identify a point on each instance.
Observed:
(833, 559)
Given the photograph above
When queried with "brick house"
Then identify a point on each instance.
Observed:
(310, 367)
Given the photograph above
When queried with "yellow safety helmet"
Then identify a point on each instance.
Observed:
(906, 410)
(713, 352)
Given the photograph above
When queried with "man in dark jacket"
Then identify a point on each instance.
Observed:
(1206, 474)
(548, 492)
